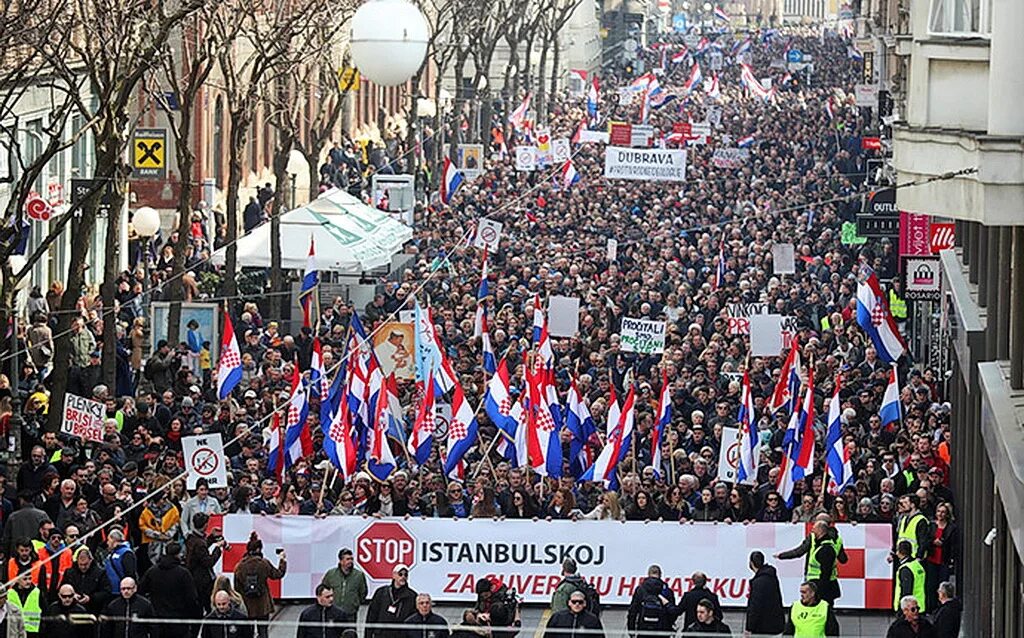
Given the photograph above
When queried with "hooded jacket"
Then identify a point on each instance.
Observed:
(652, 586)
(171, 589)
(765, 613)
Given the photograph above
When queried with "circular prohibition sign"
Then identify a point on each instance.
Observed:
(204, 461)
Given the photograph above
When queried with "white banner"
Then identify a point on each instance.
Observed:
(649, 164)
(598, 137)
(204, 458)
(729, 157)
(643, 336)
(446, 556)
(765, 335)
(83, 418)
(740, 313)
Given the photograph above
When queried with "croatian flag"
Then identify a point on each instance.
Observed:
(486, 348)
(538, 318)
(518, 117)
(310, 281)
(577, 135)
(581, 424)
(712, 89)
(422, 437)
(746, 141)
(720, 14)
(749, 81)
(451, 180)
(430, 359)
(740, 48)
(543, 443)
(874, 317)
(750, 440)
(854, 53)
(702, 46)
(679, 56)
(641, 83)
(798, 456)
(836, 459)
(338, 443)
(592, 99)
(664, 421)
(645, 107)
(720, 268)
(892, 411)
(275, 447)
(298, 443)
(380, 461)
(617, 447)
(661, 99)
(318, 386)
(695, 78)
(569, 175)
(462, 433)
(830, 109)
(506, 414)
(229, 366)
(787, 390)
(481, 294)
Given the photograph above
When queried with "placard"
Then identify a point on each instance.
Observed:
(729, 456)
(643, 336)
(488, 233)
(739, 316)
(204, 458)
(612, 249)
(915, 234)
(865, 95)
(765, 335)
(83, 418)
(620, 134)
(395, 346)
(563, 316)
(593, 137)
(560, 150)
(730, 157)
(526, 158)
(783, 259)
(544, 156)
(470, 160)
(652, 164)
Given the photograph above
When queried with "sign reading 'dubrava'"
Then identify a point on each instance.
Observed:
(649, 164)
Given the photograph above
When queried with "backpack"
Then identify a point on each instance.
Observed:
(593, 598)
(252, 585)
(653, 613)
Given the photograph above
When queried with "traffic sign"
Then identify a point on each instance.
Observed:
(795, 56)
(149, 153)
(80, 189)
(204, 458)
(382, 546)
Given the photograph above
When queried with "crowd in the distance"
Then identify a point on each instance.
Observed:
(796, 187)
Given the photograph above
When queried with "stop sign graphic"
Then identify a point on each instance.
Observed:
(381, 546)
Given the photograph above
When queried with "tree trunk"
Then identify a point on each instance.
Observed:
(525, 75)
(238, 136)
(540, 81)
(554, 69)
(280, 183)
(186, 162)
(414, 124)
(111, 263)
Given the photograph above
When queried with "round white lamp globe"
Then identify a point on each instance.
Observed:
(146, 221)
(389, 41)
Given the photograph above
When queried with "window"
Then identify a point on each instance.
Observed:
(960, 17)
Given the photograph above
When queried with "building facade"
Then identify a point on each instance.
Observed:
(961, 138)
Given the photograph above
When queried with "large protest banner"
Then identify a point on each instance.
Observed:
(648, 164)
(643, 336)
(447, 556)
(83, 418)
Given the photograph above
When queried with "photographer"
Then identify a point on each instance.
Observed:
(160, 367)
(498, 607)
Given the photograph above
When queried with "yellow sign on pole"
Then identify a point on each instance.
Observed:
(348, 79)
(149, 153)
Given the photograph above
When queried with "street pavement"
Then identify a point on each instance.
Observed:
(852, 624)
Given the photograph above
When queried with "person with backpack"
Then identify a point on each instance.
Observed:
(573, 582)
(251, 580)
(653, 607)
(699, 592)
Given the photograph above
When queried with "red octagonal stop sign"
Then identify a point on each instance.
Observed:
(381, 546)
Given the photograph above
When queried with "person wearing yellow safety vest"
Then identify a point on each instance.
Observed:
(909, 577)
(822, 562)
(30, 601)
(897, 304)
(911, 526)
(810, 617)
(809, 548)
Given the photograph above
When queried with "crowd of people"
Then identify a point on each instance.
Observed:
(125, 558)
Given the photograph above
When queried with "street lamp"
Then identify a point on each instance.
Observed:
(146, 222)
(388, 41)
(17, 264)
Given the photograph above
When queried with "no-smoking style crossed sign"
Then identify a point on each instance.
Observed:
(205, 461)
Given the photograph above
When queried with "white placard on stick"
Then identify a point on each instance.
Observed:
(488, 233)
(612, 249)
(560, 149)
(643, 336)
(783, 259)
(204, 458)
(729, 455)
(83, 418)
(563, 316)
(765, 335)
(526, 158)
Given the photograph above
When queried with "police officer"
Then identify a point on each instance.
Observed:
(811, 617)
(909, 577)
(912, 526)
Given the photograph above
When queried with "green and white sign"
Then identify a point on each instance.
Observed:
(643, 336)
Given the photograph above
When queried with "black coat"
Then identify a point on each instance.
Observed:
(402, 601)
(715, 627)
(688, 604)
(93, 583)
(765, 613)
(240, 629)
(430, 626)
(57, 625)
(946, 619)
(902, 629)
(652, 587)
(121, 609)
(566, 623)
(330, 622)
(171, 589)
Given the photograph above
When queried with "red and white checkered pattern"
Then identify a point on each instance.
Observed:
(457, 429)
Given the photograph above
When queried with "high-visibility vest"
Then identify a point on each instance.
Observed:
(907, 531)
(813, 566)
(13, 569)
(897, 305)
(31, 610)
(917, 570)
(809, 622)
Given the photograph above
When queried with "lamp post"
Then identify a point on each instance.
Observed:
(146, 222)
(15, 422)
(388, 41)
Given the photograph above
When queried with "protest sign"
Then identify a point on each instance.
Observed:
(593, 137)
(729, 455)
(526, 158)
(730, 157)
(560, 150)
(204, 458)
(612, 249)
(488, 233)
(765, 335)
(789, 330)
(783, 259)
(563, 316)
(643, 336)
(83, 418)
(544, 155)
(652, 164)
(740, 313)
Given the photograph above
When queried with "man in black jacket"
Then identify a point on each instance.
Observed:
(172, 591)
(653, 606)
(326, 620)
(765, 613)
(57, 622)
(706, 622)
(90, 582)
(390, 605)
(568, 621)
(125, 608)
(228, 622)
(911, 624)
(425, 623)
(946, 619)
(699, 592)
